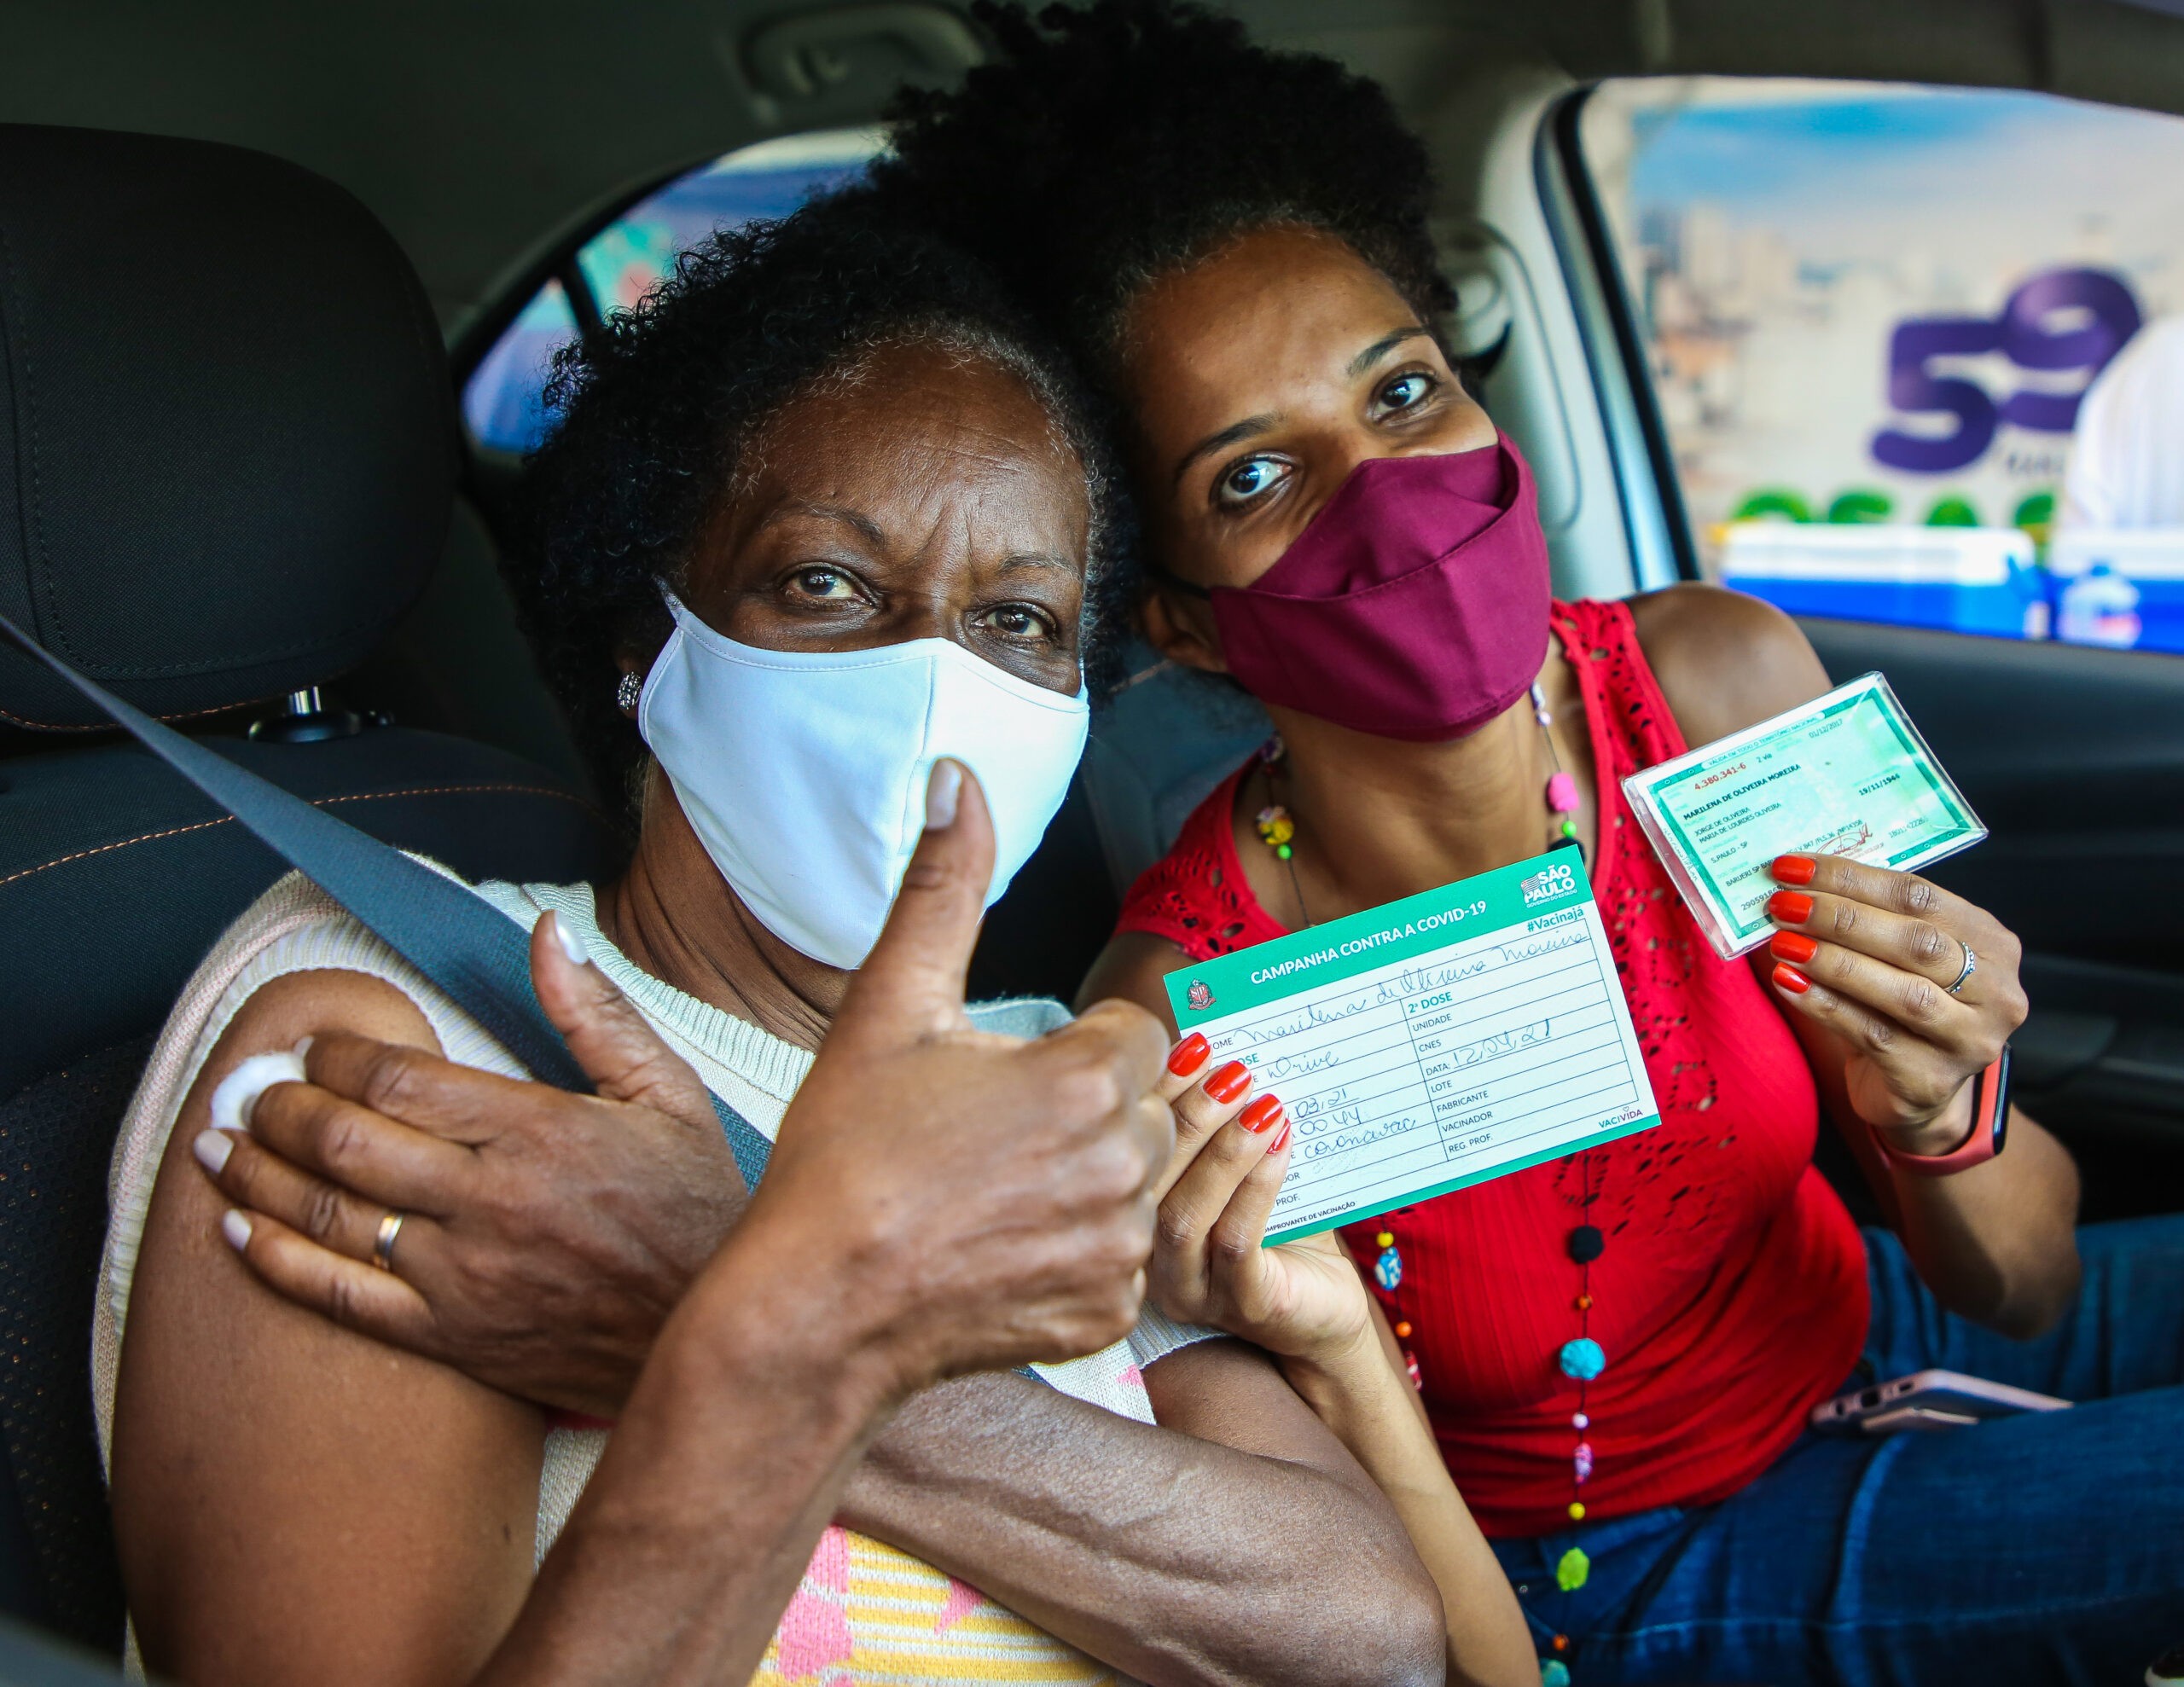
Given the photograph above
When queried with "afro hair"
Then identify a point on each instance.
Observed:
(1114, 143)
(658, 408)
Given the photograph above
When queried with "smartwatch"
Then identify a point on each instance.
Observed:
(1991, 1114)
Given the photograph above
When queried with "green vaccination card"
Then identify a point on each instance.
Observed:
(1845, 774)
(1441, 1040)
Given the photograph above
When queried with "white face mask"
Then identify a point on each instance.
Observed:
(804, 772)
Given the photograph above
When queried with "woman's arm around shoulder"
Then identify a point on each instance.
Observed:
(294, 1502)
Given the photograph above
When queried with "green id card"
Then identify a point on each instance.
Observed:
(1845, 774)
(1453, 1036)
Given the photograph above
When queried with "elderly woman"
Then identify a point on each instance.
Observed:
(821, 513)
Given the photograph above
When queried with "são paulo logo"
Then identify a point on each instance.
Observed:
(1547, 884)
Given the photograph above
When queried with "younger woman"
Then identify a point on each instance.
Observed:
(1617, 1350)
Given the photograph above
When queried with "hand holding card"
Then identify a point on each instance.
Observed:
(1451, 1037)
(1845, 774)
(1233, 1144)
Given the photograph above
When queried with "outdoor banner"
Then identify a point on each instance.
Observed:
(1872, 306)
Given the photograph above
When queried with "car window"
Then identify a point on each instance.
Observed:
(1873, 315)
(503, 400)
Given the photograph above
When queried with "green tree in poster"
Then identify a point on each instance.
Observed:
(1861, 506)
(1772, 500)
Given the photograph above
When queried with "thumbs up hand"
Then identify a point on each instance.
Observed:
(546, 1236)
(998, 1193)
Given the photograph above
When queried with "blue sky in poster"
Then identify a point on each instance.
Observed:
(1844, 170)
(1742, 155)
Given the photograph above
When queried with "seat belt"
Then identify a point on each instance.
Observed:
(472, 952)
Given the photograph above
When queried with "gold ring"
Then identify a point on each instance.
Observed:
(383, 1246)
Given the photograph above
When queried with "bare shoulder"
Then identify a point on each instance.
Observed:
(1132, 967)
(290, 1498)
(1724, 660)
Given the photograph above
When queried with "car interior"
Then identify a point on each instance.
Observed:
(253, 257)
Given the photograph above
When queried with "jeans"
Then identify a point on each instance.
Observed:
(2046, 1547)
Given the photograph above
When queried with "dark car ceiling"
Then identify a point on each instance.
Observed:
(478, 130)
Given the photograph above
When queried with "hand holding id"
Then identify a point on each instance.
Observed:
(1921, 985)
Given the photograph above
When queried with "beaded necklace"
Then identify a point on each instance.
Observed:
(1580, 1358)
(1277, 826)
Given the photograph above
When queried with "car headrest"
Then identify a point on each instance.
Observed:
(227, 439)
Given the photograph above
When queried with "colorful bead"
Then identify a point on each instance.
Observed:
(1553, 1673)
(1577, 1510)
(1581, 1359)
(1386, 1238)
(1584, 1303)
(1579, 1421)
(1561, 1643)
(1571, 1569)
(1569, 829)
(1410, 1370)
(1586, 1244)
(1583, 1460)
(1562, 794)
(1387, 1270)
(1403, 1329)
(1281, 852)
(1275, 827)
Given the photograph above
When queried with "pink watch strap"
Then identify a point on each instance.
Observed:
(1990, 1103)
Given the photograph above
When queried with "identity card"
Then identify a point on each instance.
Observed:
(1448, 1037)
(1845, 774)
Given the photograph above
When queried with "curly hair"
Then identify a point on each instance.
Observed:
(660, 408)
(1111, 144)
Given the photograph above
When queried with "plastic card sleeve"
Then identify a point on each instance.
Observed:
(1845, 774)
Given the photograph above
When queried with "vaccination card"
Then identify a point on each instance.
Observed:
(1453, 1036)
(1845, 774)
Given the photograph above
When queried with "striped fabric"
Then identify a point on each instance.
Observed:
(867, 1614)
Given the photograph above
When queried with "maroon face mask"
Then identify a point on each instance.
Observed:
(1414, 605)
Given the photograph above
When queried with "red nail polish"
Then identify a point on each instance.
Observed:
(1791, 908)
(1281, 1141)
(1789, 978)
(1795, 869)
(1189, 1055)
(1230, 1081)
(1792, 945)
(1260, 1112)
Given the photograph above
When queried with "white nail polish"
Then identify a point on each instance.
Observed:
(572, 945)
(212, 1149)
(942, 795)
(303, 1046)
(238, 1093)
(235, 1226)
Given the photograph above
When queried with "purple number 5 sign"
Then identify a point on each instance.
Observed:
(2063, 319)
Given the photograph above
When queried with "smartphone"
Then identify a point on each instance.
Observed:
(1927, 1400)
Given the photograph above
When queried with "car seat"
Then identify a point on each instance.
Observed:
(227, 461)
(1155, 751)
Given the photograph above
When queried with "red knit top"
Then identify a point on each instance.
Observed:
(1731, 1295)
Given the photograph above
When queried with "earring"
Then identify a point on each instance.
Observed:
(629, 693)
